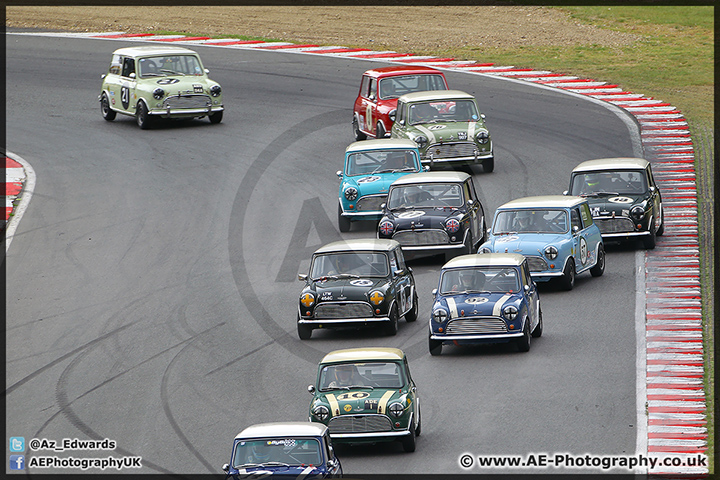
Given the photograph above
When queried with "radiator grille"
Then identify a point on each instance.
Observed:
(328, 310)
(187, 101)
(614, 225)
(422, 237)
(475, 325)
(360, 424)
(451, 150)
(370, 203)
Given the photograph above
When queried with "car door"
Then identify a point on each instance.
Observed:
(398, 128)
(112, 81)
(475, 210)
(128, 82)
(369, 104)
(586, 239)
(403, 282)
(655, 197)
(413, 392)
(532, 295)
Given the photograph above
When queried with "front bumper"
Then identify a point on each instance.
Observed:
(463, 156)
(479, 338)
(186, 112)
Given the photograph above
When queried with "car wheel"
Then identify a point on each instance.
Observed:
(356, 130)
(379, 130)
(343, 222)
(408, 441)
(567, 281)
(412, 315)
(391, 327)
(523, 343)
(142, 116)
(650, 240)
(418, 429)
(599, 267)
(107, 112)
(215, 117)
(304, 331)
(435, 347)
(537, 332)
(488, 165)
(661, 228)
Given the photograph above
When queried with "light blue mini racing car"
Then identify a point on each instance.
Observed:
(555, 233)
(370, 167)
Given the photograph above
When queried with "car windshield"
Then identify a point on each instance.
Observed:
(350, 265)
(531, 221)
(381, 161)
(393, 87)
(277, 451)
(619, 182)
(426, 195)
(164, 65)
(443, 111)
(369, 375)
(479, 280)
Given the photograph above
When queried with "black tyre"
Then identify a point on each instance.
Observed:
(488, 165)
(344, 223)
(523, 343)
(391, 327)
(418, 429)
(435, 347)
(408, 441)
(537, 332)
(599, 267)
(650, 240)
(356, 130)
(215, 117)
(107, 112)
(142, 116)
(412, 315)
(661, 228)
(567, 281)
(379, 130)
(304, 331)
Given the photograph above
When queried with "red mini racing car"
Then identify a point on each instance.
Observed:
(380, 88)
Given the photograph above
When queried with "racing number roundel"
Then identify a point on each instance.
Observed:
(125, 96)
(353, 396)
(583, 251)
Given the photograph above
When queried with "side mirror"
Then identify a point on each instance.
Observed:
(311, 389)
(382, 206)
(339, 174)
(482, 115)
(565, 192)
(206, 71)
(226, 467)
(397, 273)
(434, 291)
(402, 122)
(331, 463)
(132, 75)
(302, 277)
(527, 288)
(470, 202)
(575, 229)
(103, 76)
(372, 98)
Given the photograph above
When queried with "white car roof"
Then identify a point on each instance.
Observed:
(619, 163)
(381, 144)
(431, 177)
(439, 95)
(283, 429)
(544, 201)
(150, 50)
(486, 260)
(359, 244)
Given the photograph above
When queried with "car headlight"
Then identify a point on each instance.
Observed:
(376, 297)
(321, 412)
(452, 225)
(551, 252)
(215, 90)
(484, 250)
(158, 93)
(351, 193)
(308, 299)
(440, 315)
(396, 409)
(637, 212)
(386, 228)
(421, 140)
(482, 137)
(510, 312)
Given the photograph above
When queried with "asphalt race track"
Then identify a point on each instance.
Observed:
(152, 284)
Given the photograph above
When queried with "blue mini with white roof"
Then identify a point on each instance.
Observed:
(555, 233)
(370, 167)
(288, 450)
(487, 298)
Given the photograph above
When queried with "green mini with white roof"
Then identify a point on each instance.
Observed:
(159, 81)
